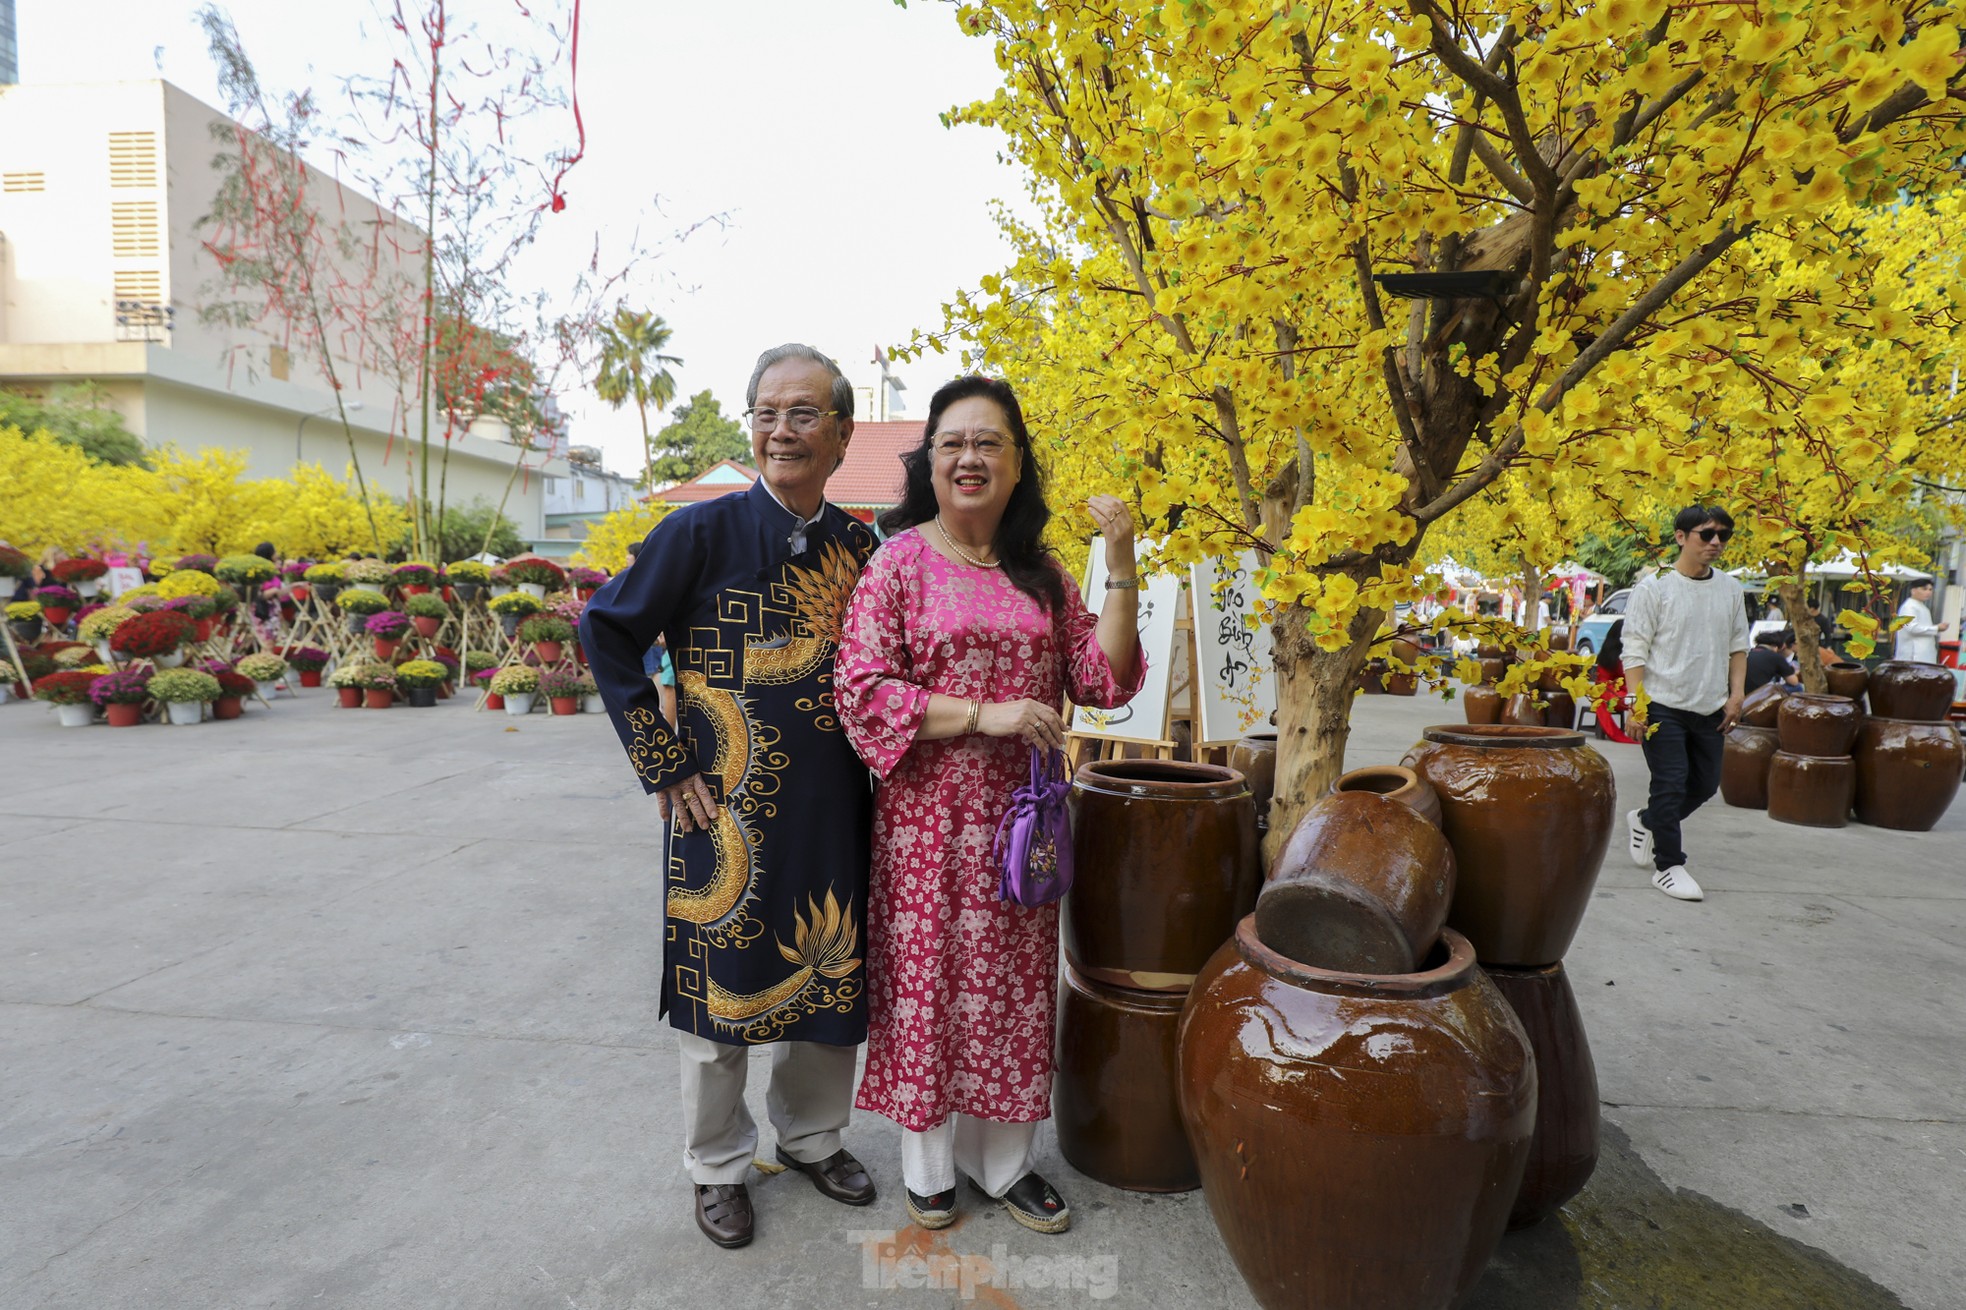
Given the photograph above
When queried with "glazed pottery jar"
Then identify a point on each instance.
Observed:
(1902, 689)
(1113, 1101)
(1360, 1137)
(1493, 668)
(1481, 704)
(1166, 863)
(1744, 766)
(1362, 885)
(1560, 711)
(1255, 758)
(1491, 651)
(1394, 782)
(1563, 1154)
(1815, 791)
(1372, 678)
(1907, 772)
(1528, 811)
(1763, 706)
(1847, 680)
(1817, 725)
(1523, 710)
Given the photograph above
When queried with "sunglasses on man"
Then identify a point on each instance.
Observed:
(1708, 534)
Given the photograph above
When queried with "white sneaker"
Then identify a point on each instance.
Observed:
(1678, 884)
(1641, 839)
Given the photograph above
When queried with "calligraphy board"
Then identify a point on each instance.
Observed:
(1236, 679)
(1145, 717)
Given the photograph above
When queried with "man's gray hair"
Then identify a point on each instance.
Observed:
(842, 389)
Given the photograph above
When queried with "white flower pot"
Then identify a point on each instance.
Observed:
(170, 661)
(500, 588)
(75, 716)
(593, 705)
(88, 587)
(108, 655)
(519, 702)
(266, 689)
(186, 712)
(536, 590)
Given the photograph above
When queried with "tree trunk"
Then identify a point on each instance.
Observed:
(1314, 707)
(1795, 610)
(1532, 595)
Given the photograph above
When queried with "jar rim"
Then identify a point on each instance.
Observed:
(1514, 735)
(1443, 975)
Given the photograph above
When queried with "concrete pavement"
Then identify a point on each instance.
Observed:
(339, 1008)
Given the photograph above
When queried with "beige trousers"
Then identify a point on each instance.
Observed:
(993, 1154)
(810, 1095)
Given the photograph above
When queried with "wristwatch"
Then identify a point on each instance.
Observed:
(1122, 584)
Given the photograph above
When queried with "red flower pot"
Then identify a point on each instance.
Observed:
(287, 610)
(566, 704)
(310, 677)
(228, 707)
(446, 650)
(385, 649)
(579, 653)
(494, 701)
(124, 716)
(548, 651)
(428, 627)
(373, 699)
(351, 697)
(301, 591)
(56, 614)
(414, 589)
(586, 593)
(449, 597)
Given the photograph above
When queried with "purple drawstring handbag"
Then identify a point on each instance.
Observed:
(1034, 841)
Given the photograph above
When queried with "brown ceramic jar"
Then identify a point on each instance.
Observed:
(1523, 710)
(1528, 811)
(1372, 678)
(1491, 651)
(1493, 668)
(1360, 1137)
(1113, 1099)
(1362, 885)
(1560, 710)
(1847, 680)
(1744, 766)
(1815, 791)
(1817, 725)
(1763, 706)
(1481, 704)
(1904, 689)
(1394, 782)
(1255, 758)
(1564, 1153)
(1907, 772)
(1165, 864)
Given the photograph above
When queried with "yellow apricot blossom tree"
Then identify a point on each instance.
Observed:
(1309, 277)
(608, 538)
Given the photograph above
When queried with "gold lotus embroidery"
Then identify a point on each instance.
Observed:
(823, 947)
(818, 599)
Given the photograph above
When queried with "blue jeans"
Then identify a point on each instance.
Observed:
(1683, 754)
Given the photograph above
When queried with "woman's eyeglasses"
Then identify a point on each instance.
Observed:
(1708, 534)
(987, 445)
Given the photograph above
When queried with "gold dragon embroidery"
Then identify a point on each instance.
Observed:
(818, 599)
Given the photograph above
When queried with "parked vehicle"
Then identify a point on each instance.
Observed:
(1589, 635)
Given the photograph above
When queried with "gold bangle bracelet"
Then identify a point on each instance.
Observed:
(975, 713)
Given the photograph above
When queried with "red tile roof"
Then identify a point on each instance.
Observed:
(719, 483)
(871, 476)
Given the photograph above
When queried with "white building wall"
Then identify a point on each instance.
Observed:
(104, 190)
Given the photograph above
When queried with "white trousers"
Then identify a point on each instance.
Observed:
(994, 1154)
(810, 1096)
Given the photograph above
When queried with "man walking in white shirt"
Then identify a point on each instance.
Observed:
(1686, 648)
(1918, 639)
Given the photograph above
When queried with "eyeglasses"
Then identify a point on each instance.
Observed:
(986, 444)
(1708, 534)
(799, 418)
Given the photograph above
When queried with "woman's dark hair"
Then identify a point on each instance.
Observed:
(264, 550)
(1611, 655)
(1019, 542)
(1696, 516)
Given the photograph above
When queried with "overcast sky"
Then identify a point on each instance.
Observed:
(851, 213)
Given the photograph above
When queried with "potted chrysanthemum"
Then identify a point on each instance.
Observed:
(266, 670)
(358, 603)
(419, 680)
(24, 617)
(57, 603)
(415, 577)
(233, 688)
(82, 573)
(387, 629)
(466, 579)
(310, 660)
(156, 636)
(122, 695)
(69, 693)
(518, 684)
(561, 687)
(547, 634)
(347, 682)
(185, 693)
(535, 576)
(590, 696)
(427, 613)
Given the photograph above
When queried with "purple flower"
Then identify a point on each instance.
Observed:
(126, 687)
(388, 625)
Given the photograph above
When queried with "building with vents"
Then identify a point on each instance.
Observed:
(105, 278)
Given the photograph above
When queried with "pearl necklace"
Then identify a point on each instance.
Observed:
(951, 543)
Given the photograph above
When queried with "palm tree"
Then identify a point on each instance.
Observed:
(633, 367)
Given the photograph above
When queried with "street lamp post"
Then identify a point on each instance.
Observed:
(350, 408)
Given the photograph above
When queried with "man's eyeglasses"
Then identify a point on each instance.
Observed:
(1708, 534)
(800, 418)
(987, 445)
